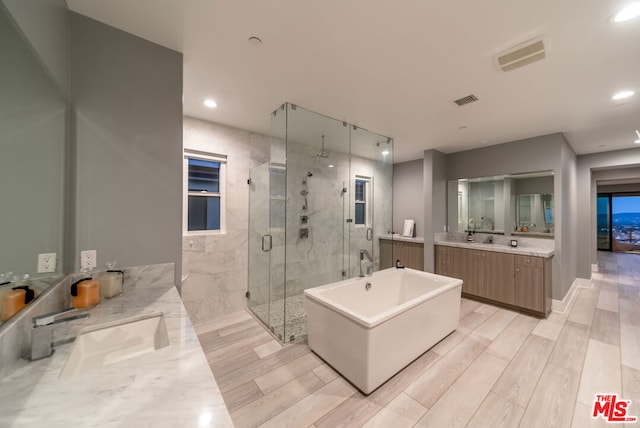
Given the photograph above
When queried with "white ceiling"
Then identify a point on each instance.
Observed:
(395, 66)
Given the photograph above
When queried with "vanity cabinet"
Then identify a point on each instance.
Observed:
(410, 254)
(509, 279)
(444, 260)
(484, 273)
(532, 283)
(497, 276)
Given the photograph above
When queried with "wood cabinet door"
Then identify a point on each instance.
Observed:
(399, 252)
(529, 290)
(498, 277)
(443, 262)
(415, 255)
(410, 254)
(468, 267)
(386, 253)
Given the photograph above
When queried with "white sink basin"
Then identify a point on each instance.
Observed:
(115, 341)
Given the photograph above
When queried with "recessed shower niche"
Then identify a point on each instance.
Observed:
(325, 194)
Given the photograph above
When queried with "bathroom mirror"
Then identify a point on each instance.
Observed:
(33, 131)
(534, 206)
(514, 204)
(476, 205)
(534, 212)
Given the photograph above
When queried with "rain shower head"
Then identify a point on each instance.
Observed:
(323, 153)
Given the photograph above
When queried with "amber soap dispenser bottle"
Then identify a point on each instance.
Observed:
(85, 293)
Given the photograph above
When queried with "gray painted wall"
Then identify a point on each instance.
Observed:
(45, 24)
(529, 155)
(566, 230)
(408, 195)
(605, 165)
(127, 147)
(435, 202)
(544, 153)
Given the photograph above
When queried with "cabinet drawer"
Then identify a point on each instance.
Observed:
(536, 262)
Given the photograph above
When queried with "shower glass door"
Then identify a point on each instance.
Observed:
(317, 153)
(266, 249)
(371, 178)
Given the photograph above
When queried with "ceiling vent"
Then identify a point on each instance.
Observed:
(521, 55)
(466, 100)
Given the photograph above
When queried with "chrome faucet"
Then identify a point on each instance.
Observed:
(42, 331)
(364, 253)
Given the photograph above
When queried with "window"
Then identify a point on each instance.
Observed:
(361, 201)
(204, 182)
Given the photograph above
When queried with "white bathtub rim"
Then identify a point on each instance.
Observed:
(371, 322)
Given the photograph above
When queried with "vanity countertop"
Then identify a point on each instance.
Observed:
(398, 237)
(172, 386)
(498, 248)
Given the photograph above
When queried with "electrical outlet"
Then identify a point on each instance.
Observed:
(87, 259)
(47, 262)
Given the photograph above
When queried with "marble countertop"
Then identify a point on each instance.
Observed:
(169, 387)
(398, 237)
(498, 248)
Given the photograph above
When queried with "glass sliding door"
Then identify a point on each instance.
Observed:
(604, 222)
(618, 222)
(625, 222)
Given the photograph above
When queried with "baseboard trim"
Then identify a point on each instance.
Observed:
(561, 306)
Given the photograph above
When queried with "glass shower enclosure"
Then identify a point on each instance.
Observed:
(316, 210)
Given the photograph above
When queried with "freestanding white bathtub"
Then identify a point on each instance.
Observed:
(368, 335)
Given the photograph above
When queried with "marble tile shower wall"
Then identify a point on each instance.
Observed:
(215, 266)
(332, 244)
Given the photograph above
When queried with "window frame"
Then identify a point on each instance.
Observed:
(367, 200)
(211, 157)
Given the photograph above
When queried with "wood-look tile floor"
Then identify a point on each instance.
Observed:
(498, 369)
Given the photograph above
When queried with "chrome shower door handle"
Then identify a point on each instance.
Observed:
(266, 243)
(369, 234)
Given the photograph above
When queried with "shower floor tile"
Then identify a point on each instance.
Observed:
(274, 316)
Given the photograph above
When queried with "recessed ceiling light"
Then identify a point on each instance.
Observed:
(210, 103)
(629, 12)
(254, 41)
(330, 166)
(622, 95)
(386, 152)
